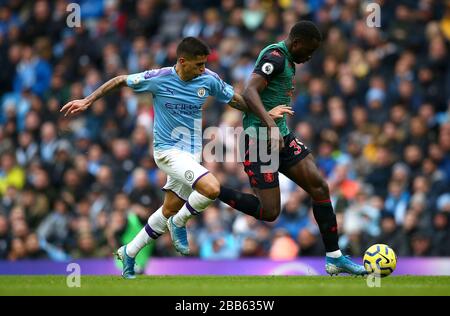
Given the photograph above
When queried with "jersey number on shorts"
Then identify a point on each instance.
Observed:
(296, 144)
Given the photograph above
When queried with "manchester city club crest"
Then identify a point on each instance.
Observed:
(189, 175)
(136, 80)
(201, 92)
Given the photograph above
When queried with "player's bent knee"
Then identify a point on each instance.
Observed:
(270, 217)
(321, 191)
(213, 191)
(270, 214)
(208, 186)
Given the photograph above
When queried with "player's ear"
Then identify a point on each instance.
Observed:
(181, 60)
(297, 44)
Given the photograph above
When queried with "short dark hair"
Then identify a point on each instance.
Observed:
(305, 30)
(191, 47)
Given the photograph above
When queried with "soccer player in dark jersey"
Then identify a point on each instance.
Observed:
(271, 84)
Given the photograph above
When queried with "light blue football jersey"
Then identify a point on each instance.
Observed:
(178, 105)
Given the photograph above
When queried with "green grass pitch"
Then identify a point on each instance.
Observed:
(225, 285)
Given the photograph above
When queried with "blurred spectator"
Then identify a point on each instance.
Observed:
(140, 144)
(421, 244)
(172, 20)
(251, 247)
(33, 248)
(214, 240)
(253, 15)
(18, 250)
(443, 203)
(397, 200)
(294, 215)
(441, 235)
(54, 228)
(121, 164)
(143, 193)
(32, 73)
(87, 247)
(193, 26)
(49, 142)
(27, 149)
(310, 243)
(5, 239)
(381, 171)
(11, 174)
(409, 228)
(391, 234)
(220, 246)
(283, 247)
(362, 214)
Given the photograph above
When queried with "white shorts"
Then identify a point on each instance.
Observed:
(183, 170)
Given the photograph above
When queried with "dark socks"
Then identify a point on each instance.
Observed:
(243, 202)
(326, 219)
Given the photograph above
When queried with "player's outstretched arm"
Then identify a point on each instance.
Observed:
(277, 112)
(238, 103)
(76, 106)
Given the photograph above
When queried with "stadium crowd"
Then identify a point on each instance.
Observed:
(373, 104)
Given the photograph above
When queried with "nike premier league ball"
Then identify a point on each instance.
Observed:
(380, 259)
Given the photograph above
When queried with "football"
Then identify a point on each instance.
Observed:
(380, 259)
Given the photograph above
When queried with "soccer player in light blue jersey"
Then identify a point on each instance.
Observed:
(179, 93)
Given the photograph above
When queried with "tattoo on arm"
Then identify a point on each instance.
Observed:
(107, 86)
(238, 103)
